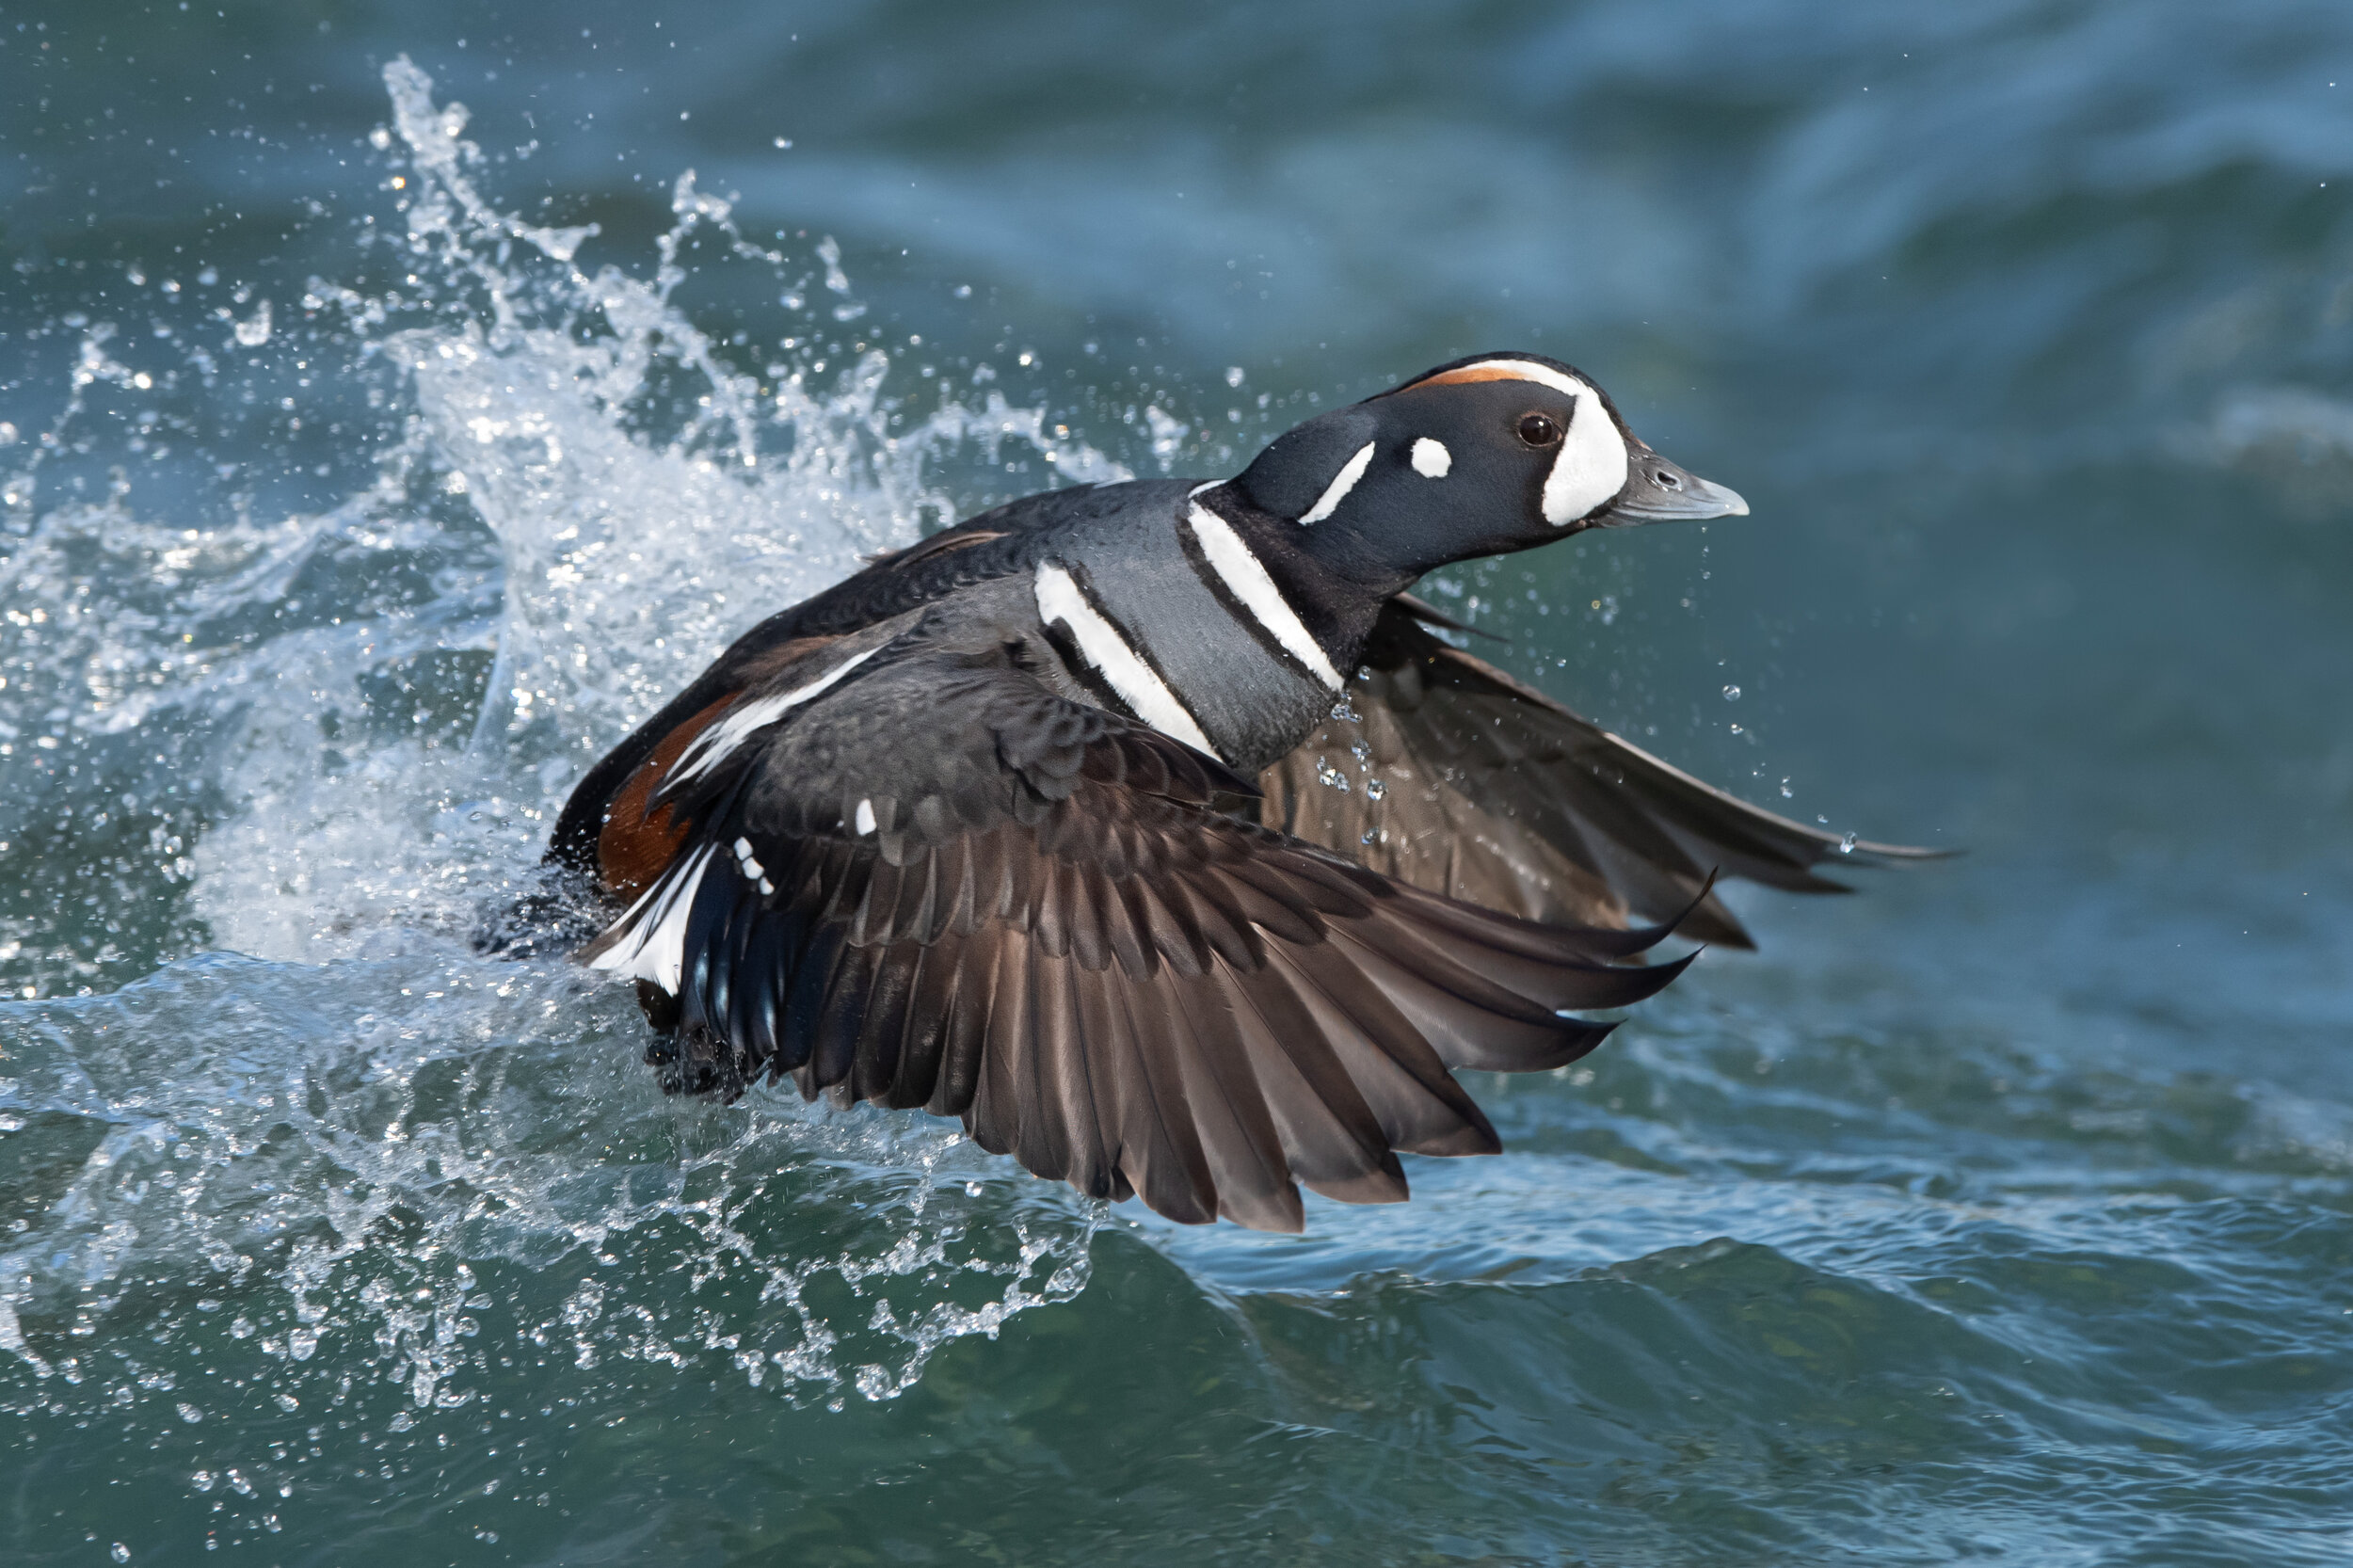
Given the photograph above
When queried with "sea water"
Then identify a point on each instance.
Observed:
(1999, 1212)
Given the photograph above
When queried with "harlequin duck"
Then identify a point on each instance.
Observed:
(1035, 823)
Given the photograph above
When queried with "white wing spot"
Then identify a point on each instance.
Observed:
(1431, 459)
(1341, 483)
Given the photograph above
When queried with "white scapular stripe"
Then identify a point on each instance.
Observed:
(1341, 483)
(1431, 459)
(1241, 572)
(1099, 642)
(713, 746)
(1591, 467)
(653, 941)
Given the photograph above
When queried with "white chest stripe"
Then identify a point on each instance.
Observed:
(1248, 581)
(1100, 644)
(1341, 483)
(713, 746)
(652, 944)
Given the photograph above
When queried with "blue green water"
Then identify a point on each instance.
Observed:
(351, 500)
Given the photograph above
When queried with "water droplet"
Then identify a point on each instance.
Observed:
(1732, 694)
(1846, 845)
(1343, 714)
(1374, 789)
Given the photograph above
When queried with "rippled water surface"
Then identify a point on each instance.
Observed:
(398, 401)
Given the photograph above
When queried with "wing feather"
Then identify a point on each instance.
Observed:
(1051, 931)
(1494, 794)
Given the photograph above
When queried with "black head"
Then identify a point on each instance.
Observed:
(1495, 452)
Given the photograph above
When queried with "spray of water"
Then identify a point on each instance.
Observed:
(326, 1151)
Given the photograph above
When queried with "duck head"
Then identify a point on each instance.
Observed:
(1491, 453)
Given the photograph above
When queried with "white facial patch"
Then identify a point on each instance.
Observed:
(1100, 643)
(1591, 467)
(1247, 579)
(1431, 459)
(1343, 482)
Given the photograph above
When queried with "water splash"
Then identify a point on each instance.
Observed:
(359, 1167)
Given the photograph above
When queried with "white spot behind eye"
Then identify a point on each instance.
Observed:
(865, 818)
(1431, 459)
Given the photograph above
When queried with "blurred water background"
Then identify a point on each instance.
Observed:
(370, 462)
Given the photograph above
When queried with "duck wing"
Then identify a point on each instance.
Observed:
(912, 874)
(998, 543)
(1495, 794)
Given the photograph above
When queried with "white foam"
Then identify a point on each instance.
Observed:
(348, 1137)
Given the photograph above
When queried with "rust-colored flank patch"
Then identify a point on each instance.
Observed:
(634, 848)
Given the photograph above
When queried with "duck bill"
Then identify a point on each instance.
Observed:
(1658, 490)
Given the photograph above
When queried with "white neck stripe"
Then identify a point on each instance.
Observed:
(1341, 483)
(1242, 572)
(1099, 642)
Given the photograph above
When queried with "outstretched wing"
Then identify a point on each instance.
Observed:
(939, 884)
(1492, 792)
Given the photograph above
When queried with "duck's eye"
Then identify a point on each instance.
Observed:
(1539, 429)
